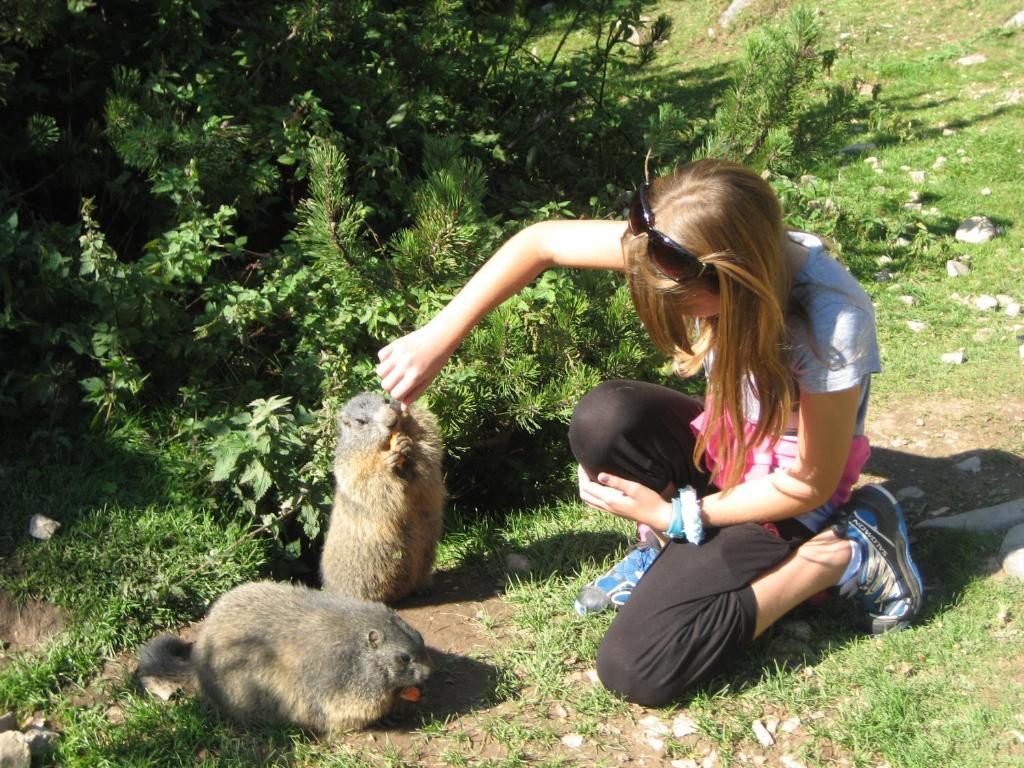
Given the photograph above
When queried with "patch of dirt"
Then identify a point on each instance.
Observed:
(920, 444)
(25, 628)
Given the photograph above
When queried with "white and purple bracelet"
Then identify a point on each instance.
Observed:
(686, 517)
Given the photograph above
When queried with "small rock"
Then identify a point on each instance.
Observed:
(883, 276)
(908, 300)
(683, 726)
(872, 160)
(656, 744)
(914, 196)
(916, 325)
(1012, 552)
(42, 527)
(791, 762)
(115, 715)
(918, 177)
(761, 734)
(654, 726)
(790, 725)
(1020, 351)
(954, 358)
(807, 180)
(14, 751)
(985, 192)
(957, 268)
(971, 464)
(592, 677)
(858, 148)
(985, 302)
(976, 229)
(1012, 309)
(41, 741)
(572, 740)
(8, 722)
(939, 162)
(902, 242)
(684, 763)
(948, 132)
(1016, 21)
(518, 563)
(970, 61)
(711, 761)
(711, 33)
(910, 492)
(1003, 300)
(998, 517)
(912, 206)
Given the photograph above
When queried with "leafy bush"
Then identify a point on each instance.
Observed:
(225, 213)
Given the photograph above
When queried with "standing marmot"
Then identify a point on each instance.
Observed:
(283, 654)
(388, 501)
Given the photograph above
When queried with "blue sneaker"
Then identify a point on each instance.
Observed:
(613, 588)
(887, 583)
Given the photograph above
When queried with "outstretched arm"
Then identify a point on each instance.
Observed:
(408, 365)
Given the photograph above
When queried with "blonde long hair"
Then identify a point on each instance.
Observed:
(731, 218)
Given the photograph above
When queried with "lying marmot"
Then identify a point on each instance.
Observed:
(271, 653)
(388, 501)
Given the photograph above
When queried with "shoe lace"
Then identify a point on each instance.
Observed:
(880, 581)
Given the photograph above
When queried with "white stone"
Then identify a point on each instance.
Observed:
(918, 177)
(976, 229)
(916, 325)
(872, 160)
(592, 677)
(902, 242)
(1015, 21)
(790, 725)
(656, 744)
(1012, 552)
(910, 492)
(970, 61)
(14, 751)
(683, 726)
(654, 726)
(730, 13)
(761, 734)
(1003, 300)
(971, 464)
(939, 162)
(986, 302)
(999, 517)
(572, 740)
(41, 741)
(908, 300)
(1012, 309)
(985, 192)
(957, 268)
(42, 527)
(912, 206)
(954, 358)
(914, 196)
(948, 132)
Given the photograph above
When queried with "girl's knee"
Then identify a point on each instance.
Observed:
(623, 676)
(602, 417)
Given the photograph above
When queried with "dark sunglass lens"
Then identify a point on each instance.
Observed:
(668, 260)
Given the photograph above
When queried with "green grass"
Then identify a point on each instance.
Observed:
(143, 547)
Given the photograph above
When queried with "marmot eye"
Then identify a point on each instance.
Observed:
(405, 658)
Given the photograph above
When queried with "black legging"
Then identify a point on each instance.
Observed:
(694, 607)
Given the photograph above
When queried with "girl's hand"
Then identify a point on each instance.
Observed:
(408, 365)
(625, 498)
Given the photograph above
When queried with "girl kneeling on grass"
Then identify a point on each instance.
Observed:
(744, 502)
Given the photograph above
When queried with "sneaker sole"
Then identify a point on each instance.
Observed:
(889, 517)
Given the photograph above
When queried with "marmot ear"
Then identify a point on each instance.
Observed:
(373, 638)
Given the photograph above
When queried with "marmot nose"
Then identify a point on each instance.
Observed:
(389, 413)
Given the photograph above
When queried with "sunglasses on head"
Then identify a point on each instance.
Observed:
(668, 256)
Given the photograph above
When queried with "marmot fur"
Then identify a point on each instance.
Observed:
(388, 501)
(272, 653)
